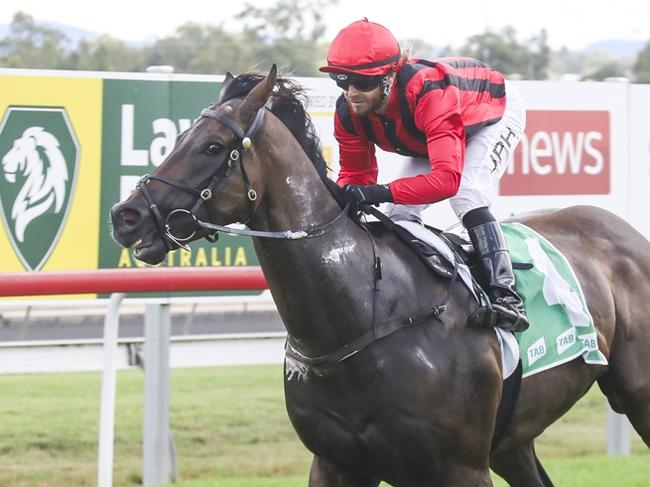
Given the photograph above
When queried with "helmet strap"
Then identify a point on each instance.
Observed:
(385, 86)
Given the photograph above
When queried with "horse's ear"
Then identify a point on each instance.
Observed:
(259, 95)
(224, 85)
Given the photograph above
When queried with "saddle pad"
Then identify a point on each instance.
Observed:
(561, 325)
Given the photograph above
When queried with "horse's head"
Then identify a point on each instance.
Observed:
(213, 172)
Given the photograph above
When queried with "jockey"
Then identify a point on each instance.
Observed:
(455, 120)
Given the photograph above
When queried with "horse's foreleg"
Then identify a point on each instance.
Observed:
(325, 474)
(455, 475)
(520, 467)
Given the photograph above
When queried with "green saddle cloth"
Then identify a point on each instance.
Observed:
(561, 325)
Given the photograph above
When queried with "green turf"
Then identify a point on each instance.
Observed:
(571, 472)
(229, 423)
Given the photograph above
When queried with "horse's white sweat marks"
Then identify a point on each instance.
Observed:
(294, 369)
(339, 254)
(424, 359)
(295, 235)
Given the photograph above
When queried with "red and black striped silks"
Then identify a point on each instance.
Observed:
(434, 107)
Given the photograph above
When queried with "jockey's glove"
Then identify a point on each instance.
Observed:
(373, 194)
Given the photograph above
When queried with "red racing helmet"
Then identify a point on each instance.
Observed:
(363, 48)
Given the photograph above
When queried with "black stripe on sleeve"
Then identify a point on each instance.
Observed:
(343, 112)
(496, 90)
(424, 62)
(465, 63)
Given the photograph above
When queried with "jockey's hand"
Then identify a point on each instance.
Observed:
(373, 194)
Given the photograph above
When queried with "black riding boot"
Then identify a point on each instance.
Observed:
(507, 308)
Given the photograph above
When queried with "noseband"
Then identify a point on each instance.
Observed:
(244, 143)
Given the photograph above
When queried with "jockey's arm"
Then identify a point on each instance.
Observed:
(437, 114)
(357, 159)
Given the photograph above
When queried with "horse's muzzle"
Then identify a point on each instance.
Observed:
(127, 222)
(133, 228)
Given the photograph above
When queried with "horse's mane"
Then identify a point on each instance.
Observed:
(288, 104)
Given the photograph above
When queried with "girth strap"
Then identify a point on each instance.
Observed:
(359, 344)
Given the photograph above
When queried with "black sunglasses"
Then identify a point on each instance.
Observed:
(361, 83)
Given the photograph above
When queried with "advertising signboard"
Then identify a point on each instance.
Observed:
(140, 123)
(50, 142)
(562, 152)
(74, 144)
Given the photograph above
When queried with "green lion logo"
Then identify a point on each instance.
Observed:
(45, 177)
(39, 162)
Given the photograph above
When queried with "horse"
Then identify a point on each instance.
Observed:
(45, 181)
(413, 407)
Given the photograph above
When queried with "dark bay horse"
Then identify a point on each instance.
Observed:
(417, 407)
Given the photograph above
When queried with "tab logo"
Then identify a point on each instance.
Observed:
(536, 351)
(566, 340)
(40, 159)
(589, 341)
(561, 153)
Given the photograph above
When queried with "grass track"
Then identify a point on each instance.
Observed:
(565, 472)
(229, 423)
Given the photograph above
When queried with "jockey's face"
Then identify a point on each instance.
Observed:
(364, 93)
(363, 103)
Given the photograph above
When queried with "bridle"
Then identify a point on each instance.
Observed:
(235, 158)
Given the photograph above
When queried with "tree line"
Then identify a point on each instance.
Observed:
(291, 34)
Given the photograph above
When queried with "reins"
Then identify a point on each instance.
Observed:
(282, 234)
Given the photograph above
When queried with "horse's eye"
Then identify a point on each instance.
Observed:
(213, 149)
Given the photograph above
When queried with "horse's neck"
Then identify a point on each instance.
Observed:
(294, 194)
(321, 286)
(308, 277)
